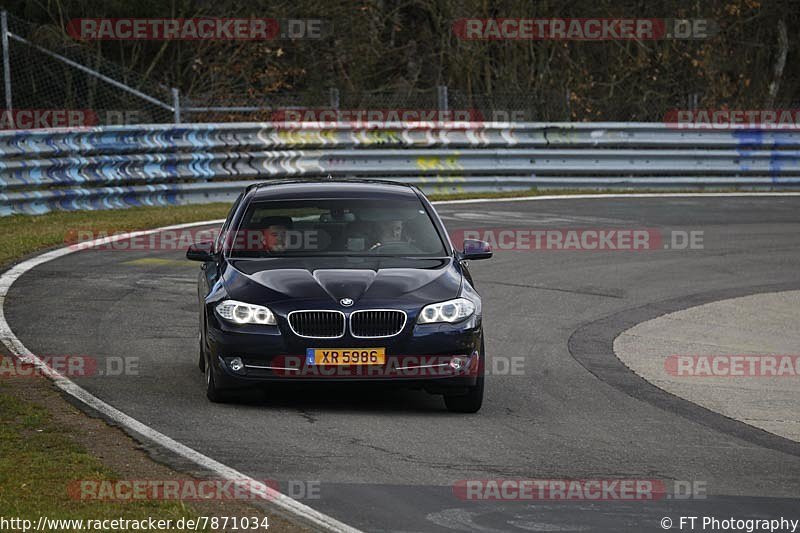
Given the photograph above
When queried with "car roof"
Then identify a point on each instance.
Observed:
(331, 188)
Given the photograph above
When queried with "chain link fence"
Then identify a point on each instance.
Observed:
(47, 73)
(43, 71)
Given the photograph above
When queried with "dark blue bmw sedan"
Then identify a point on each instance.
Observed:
(339, 280)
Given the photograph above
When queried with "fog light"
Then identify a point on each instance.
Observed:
(457, 363)
(236, 364)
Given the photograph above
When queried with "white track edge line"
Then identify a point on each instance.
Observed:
(11, 341)
(613, 195)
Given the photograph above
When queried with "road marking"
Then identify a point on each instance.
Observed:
(157, 261)
(281, 501)
(611, 195)
(539, 219)
(166, 283)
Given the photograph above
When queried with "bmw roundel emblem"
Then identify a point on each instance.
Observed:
(347, 302)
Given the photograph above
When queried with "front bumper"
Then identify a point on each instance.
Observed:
(420, 356)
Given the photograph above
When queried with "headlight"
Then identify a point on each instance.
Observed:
(449, 311)
(242, 313)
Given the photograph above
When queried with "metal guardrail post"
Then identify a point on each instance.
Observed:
(6, 62)
(176, 105)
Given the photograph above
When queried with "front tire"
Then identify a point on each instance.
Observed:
(201, 359)
(213, 393)
(201, 337)
(472, 401)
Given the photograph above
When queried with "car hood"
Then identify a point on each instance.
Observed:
(331, 279)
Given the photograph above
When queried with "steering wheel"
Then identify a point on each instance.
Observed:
(394, 247)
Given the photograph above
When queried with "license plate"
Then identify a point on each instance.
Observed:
(345, 356)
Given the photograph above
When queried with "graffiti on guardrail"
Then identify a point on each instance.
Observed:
(116, 167)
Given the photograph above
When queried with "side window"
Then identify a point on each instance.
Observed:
(218, 245)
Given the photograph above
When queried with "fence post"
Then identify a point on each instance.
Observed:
(6, 63)
(567, 96)
(441, 97)
(334, 97)
(176, 105)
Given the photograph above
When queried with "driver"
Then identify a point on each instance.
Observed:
(275, 238)
(274, 233)
(391, 231)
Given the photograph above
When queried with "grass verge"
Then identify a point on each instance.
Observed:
(21, 235)
(39, 460)
(47, 446)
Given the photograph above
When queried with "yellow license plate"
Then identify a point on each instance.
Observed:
(346, 356)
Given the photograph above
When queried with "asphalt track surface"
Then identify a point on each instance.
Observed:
(386, 460)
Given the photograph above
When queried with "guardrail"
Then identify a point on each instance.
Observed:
(123, 166)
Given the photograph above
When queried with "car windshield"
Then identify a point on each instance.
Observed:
(340, 226)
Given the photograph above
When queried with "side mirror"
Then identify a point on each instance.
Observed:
(200, 251)
(474, 249)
